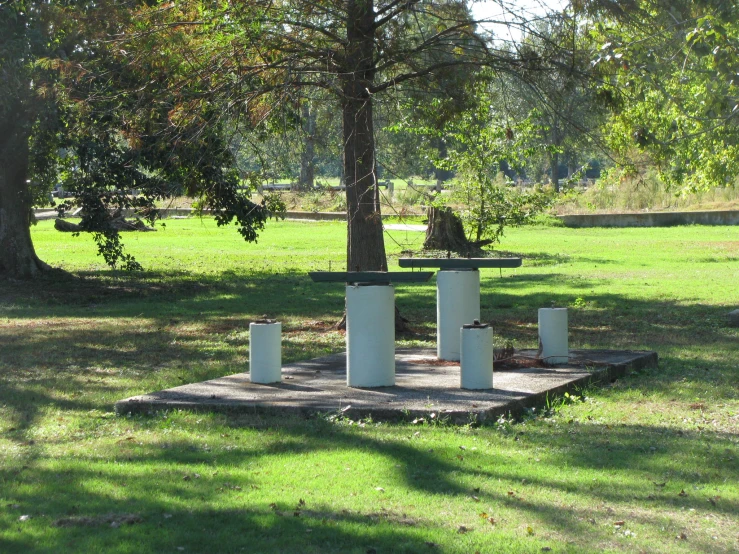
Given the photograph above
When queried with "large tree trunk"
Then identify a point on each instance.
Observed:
(17, 256)
(365, 240)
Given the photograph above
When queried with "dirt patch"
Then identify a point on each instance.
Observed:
(511, 363)
(112, 520)
(433, 362)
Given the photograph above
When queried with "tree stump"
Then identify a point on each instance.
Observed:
(446, 232)
(401, 324)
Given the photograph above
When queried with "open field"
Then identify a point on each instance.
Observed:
(649, 464)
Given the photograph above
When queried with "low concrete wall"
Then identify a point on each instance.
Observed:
(317, 216)
(649, 219)
(652, 219)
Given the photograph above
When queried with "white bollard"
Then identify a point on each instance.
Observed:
(370, 335)
(476, 353)
(457, 303)
(553, 344)
(265, 352)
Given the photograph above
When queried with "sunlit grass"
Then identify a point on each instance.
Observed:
(647, 464)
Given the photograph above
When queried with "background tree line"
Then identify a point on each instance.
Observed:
(208, 98)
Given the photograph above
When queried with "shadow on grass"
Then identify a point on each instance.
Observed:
(201, 512)
(74, 342)
(159, 295)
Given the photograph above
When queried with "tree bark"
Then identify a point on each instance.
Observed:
(445, 232)
(365, 240)
(18, 257)
(554, 156)
(554, 162)
(306, 181)
(441, 174)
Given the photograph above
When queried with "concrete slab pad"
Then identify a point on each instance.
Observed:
(423, 386)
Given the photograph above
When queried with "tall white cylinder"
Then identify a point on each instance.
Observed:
(553, 344)
(476, 353)
(265, 352)
(457, 303)
(370, 336)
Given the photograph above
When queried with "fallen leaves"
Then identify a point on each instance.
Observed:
(228, 486)
(299, 507)
(275, 509)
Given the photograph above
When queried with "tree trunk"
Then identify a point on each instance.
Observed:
(441, 148)
(554, 156)
(554, 163)
(17, 256)
(365, 240)
(307, 167)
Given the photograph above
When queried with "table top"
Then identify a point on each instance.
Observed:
(378, 277)
(460, 263)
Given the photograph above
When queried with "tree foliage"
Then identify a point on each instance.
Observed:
(257, 60)
(561, 101)
(102, 122)
(479, 142)
(672, 83)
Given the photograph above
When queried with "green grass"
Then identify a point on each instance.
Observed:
(657, 451)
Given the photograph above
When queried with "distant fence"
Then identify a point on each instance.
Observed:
(295, 187)
(652, 219)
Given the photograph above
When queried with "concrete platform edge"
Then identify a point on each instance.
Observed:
(515, 408)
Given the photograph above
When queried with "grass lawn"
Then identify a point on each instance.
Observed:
(649, 464)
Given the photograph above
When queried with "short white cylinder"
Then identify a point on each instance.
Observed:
(553, 343)
(370, 336)
(457, 303)
(476, 364)
(265, 352)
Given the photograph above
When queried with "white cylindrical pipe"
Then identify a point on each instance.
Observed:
(370, 335)
(553, 345)
(457, 303)
(476, 353)
(265, 352)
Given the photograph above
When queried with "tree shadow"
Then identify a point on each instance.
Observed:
(184, 505)
(105, 336)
